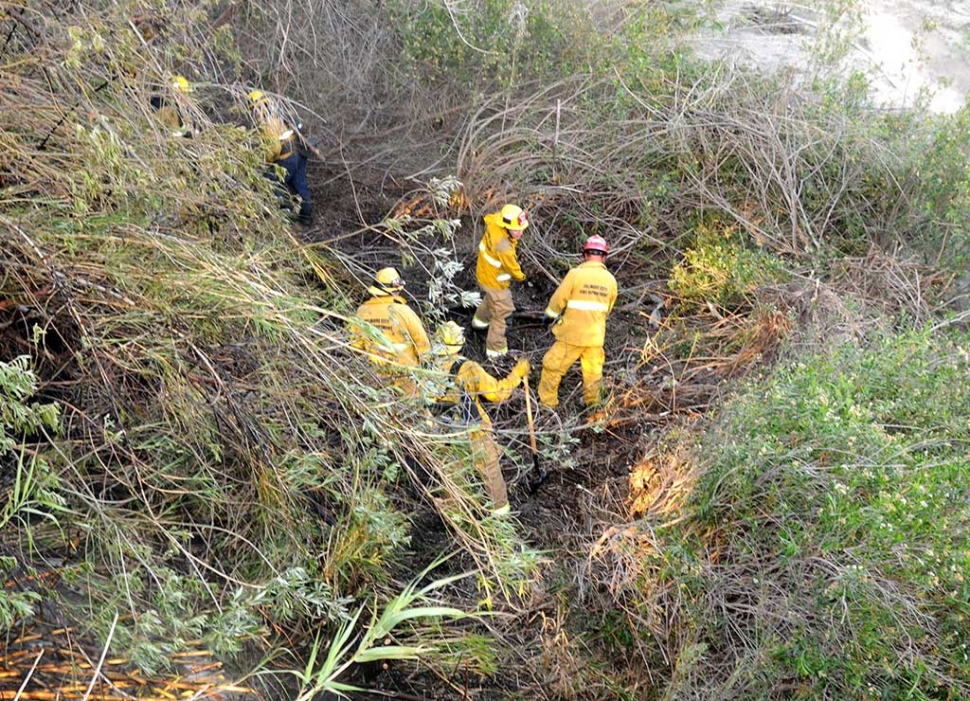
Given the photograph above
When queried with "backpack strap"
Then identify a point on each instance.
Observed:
(467, 411)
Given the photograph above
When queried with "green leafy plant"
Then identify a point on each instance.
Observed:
(34, 491)
(828, 493)
(719, 267)
(14, 605)
(349, 646)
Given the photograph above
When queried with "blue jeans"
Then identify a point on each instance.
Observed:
(294, 179)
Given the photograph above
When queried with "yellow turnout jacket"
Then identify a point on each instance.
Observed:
(581, 304)
(279, 139)
(479, 384)
(497, 265)
(401, 338)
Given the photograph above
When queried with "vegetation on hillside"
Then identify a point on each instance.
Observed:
(771, 505)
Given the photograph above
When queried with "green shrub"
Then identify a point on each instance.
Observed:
(495, 44)
(835, 492)
(938, 180)
(32, 492)
(719, 267)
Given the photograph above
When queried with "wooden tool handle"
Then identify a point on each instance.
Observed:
(528, 414)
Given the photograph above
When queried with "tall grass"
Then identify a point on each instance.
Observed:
(822, 550)
(232, 470)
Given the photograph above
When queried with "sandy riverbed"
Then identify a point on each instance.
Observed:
(906, 46)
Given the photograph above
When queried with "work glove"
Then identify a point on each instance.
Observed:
(521, 368)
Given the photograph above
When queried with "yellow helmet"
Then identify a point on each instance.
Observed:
(180, 84)
(451, 334)
(386, 281)
(258, 97)
(513, 217)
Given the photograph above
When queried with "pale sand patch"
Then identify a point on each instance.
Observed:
(907, 45)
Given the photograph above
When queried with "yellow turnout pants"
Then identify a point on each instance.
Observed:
(485, 454)
(559, 359)
(496, 307)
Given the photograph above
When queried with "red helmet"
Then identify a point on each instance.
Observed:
(596, 244)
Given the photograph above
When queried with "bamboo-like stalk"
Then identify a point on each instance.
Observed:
(27, 676)
(104, 652)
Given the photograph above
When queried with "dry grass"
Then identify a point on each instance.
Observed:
(228, 461)
(218, 429)
(722, 142)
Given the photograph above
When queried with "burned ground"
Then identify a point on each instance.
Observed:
(666, 364)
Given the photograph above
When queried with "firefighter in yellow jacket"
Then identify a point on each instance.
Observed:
(472, 384)
(392, 334)
(497, 266)
(167, 109)
(285, 149)
(578, 311)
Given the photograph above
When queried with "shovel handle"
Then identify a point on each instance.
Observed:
(540, 474)
(528, 416)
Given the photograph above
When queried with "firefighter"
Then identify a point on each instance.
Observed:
(391, 334)
(578, 311)
(167, 109)
(472, 384)
(285, 149)
(497, 266)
